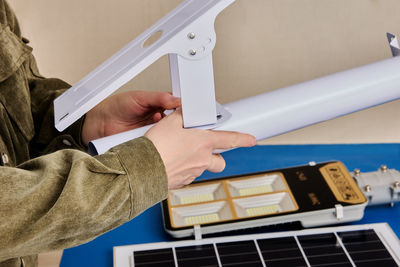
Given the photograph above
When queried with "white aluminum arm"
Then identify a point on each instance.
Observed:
(192, 16)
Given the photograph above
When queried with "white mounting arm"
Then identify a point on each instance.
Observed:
(188, 36)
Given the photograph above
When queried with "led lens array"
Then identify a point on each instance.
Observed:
(230, 199)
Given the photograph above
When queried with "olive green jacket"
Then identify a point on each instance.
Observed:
(52, 194)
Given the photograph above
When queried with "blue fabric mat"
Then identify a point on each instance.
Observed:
(148, 227)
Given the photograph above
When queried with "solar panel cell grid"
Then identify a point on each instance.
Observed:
(196, 256)
(239, 253)
(366, 249)
(158, 257)
(281, 252)
(352, 248)
(323, 249)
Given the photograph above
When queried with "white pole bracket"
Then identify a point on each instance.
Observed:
(188, 34)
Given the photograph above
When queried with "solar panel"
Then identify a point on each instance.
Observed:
(358, 245)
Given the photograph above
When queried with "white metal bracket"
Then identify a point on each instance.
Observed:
(187, 34)
(197, 232)
(339, 212)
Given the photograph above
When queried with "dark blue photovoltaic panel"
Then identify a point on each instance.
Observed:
(322, 249)
(243, 253)
(157, 257)
(281, 252)
(366, 249)
(200, 256)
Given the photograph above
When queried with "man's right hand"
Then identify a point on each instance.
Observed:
(187, 153)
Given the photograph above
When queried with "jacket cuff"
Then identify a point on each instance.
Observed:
(145, 170)
(75, 131)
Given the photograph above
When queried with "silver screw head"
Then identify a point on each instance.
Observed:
(191, 35)
(396, 185)
(384, 168)
(367, 188)
(4, 158)
(192, 52)
(357, 172)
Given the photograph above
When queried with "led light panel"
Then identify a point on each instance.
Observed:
(230, 200)
(317, 194)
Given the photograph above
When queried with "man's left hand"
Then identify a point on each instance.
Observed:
(126, 111)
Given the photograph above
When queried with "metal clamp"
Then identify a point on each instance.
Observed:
(197, 232)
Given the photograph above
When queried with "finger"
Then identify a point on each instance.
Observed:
(217, 163)
(157, 117)
(228, 140)
(175, 118)
(189, 180)
(162, 100)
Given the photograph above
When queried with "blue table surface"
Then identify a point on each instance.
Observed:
(148, 227)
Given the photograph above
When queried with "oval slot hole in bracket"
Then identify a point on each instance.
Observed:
(152, 39)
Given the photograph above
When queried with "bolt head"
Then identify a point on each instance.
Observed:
(384, 168)
(191, 35)
(396, 185)
(192, 52)
(357, 172)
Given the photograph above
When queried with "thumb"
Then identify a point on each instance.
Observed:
(175, 118)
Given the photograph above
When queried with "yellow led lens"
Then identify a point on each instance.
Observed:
(263, 210)
(255, 190)
(201, 219)
(196, 198)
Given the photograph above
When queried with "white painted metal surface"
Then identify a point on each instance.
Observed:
(192, 16)
(193, 81)
(318, 100)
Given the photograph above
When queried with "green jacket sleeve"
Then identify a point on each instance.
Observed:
(43, 91)
(67, 198)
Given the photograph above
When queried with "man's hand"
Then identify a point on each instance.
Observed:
(187, 153)
(126, 111)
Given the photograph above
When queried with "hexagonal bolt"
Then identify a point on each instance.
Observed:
(384, 168)
(396, 185)
(357, 172)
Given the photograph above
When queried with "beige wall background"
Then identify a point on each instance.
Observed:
(262, 45)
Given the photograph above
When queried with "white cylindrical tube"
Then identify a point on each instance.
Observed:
(303, 104)
(101, 145)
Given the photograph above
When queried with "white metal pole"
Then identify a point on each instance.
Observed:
(300, 105)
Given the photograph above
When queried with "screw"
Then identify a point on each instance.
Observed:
(367, 188)
(191, 35)
(396, 185)
(357, 172)
(384, 168)
(4, 158)
(192, 52)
